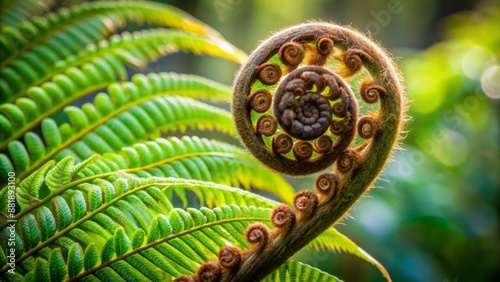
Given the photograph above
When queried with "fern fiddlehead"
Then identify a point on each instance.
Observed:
(310, 97)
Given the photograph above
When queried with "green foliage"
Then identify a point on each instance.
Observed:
(295, 271)
(16, 12)
(111, 186)
(450, 170)
(141, 223)
(333, 240)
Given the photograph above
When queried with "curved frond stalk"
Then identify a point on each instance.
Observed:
(95, 73)
(14, 12)
(307, 74)
(103, 128)
(294, 271)
(335, 241)
(135, 49)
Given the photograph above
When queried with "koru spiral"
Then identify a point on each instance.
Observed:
(295, 103)
(309, 97)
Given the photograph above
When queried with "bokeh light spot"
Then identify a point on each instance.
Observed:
(376, 216)
(476, 60)
(490, 82)
(427, 94)
(453, 150)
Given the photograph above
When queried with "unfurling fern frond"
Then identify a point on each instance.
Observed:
(101, 192)
(295, 111)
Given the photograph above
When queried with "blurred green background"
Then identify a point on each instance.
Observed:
(436, 216)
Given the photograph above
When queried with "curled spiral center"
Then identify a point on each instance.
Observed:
(303, 113)
(299, 114)
(307, 118)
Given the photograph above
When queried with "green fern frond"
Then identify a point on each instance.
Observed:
(192, 158)
(24, 69)
(49, 98)
(333, 240)
(46, 38)
(293, 271)
(186, 158)
(91, 21)
(125, 103)
(103, 129)
(174, 240)
(105, 62)
(30, 56)
(15, 12)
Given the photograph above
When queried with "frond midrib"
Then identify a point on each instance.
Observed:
(163, 240)
(58, 192)
(102, 52)
(47, 34)
(103, 207)
(55, 109)
(93, 126)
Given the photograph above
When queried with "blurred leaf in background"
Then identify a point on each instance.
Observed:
(445, 186)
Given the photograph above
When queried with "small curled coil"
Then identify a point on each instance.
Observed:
(257, 234)
(367, 127)
(269, 73)
(291, 54)
(261, 101)
(327, 184)
(370, 93)
(230, 257)
(353, 61)
(305, 201)
(283, 217)
(209, 272)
